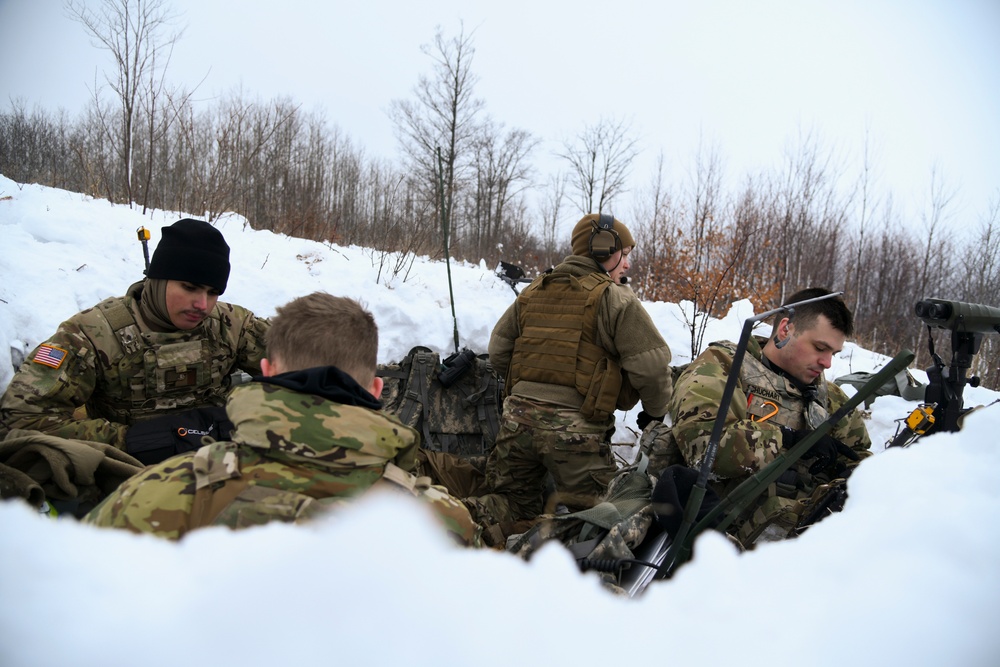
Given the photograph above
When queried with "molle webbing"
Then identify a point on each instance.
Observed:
(144, 375)
(558, 322)
(761, 385)
(416, 402)
(122, 323)
(405, 480)
(126, 396)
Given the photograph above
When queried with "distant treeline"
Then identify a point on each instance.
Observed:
(292, 172)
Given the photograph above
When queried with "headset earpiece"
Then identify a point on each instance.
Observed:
(604, 240)
(782, 343)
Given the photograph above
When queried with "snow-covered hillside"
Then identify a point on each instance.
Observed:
(907, 574)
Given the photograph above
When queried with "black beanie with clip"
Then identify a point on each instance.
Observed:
(193, 251)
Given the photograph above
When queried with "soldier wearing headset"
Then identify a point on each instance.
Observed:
(574, 347)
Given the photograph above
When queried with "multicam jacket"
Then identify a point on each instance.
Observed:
(293, 455)
(625, 332)
(763, 402)
(107, 359)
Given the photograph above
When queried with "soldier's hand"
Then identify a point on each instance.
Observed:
(643, 418)
(825, 450)
(789, 437)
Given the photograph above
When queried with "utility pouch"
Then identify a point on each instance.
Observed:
(602, 396)
(455, 366)
(159, 438)
(774, 520)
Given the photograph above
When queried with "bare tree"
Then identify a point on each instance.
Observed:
(707, 271)
(443, 115)
(938, 247)
(933, 262)
(600, 159)
(651, 215)
(807, 220)
(551, 212)
(502, 172)
(133, 32)
(981, 262)
(858, 278)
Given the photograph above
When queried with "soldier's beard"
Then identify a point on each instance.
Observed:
(153, 305)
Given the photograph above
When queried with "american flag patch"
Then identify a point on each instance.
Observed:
(50, 355)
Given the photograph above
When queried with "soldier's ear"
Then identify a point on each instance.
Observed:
(376, 387)
(267, 368)
(782, 328)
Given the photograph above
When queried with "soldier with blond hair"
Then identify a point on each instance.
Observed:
(308, 434)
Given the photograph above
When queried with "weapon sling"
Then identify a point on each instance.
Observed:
(736, 501)
(669, 555)
(680, 548)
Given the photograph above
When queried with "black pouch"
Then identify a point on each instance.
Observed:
(154, 440)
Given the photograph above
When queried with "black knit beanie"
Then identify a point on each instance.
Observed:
(193, 251)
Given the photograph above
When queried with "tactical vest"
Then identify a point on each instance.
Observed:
(147, 373)
(557, 344)
(768, 391)
(773, 397)
(784, 505)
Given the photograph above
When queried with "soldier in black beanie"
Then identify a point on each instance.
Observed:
(168, 347)
(193, 251)
(188, 273)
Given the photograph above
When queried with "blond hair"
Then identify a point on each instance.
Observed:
(320, 329)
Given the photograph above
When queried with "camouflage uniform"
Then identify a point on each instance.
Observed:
(544, 427)
(293, 456)
(747, 445)
(107, 359)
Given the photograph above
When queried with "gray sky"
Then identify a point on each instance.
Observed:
(921, 78)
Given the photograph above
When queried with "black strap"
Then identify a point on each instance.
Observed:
(417, 392)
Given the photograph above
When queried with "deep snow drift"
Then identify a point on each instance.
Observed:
(908, 573)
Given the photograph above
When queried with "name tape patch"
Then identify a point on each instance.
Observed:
(50, 355)
(763, 392)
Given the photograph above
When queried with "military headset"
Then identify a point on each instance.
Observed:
(782, 343)
(604, 240)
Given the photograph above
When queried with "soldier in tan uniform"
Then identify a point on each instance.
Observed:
(308, 435)
(780, 396)
(168, 346)
(575, 346)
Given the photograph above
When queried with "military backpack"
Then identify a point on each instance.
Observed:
(455, 405)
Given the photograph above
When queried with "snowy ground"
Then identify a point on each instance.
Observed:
(907, 574)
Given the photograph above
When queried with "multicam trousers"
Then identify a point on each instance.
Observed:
(537, 440)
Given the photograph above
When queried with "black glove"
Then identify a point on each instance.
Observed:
(643, 419)
(671, 494)
(824, 450)
(790, 438)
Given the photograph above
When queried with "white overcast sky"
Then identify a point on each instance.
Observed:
(921, 77)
